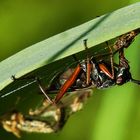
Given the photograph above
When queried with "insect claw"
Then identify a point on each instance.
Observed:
(13, 78)
(85, 43)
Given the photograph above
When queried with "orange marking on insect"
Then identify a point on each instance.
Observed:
(67, 84)
(105, 70)
(88, 73)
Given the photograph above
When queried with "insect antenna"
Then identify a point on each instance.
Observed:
(135, 81)
(17, 89)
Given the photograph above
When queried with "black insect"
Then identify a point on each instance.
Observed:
(94, 73)
(88, 73)
(100, 74)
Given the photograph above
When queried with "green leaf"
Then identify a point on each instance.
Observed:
(70, 42)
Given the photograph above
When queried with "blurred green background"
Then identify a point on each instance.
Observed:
(112, 114)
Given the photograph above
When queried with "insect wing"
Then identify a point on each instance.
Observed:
(47, 118)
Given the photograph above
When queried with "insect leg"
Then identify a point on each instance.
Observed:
(43, 90)
(103, 67)
(67, 84)
(23, 78)
(135, 81)
(37, 80)
(88, 63)
(123, 62)
(111, 61)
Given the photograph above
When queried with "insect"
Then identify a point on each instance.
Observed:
(88, 73)
(91, 72)
(100, 74)
(45, 119)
